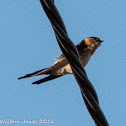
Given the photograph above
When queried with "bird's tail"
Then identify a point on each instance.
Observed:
(50, 77)
(39, 72)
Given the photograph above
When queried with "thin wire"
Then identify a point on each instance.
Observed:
(69, 50)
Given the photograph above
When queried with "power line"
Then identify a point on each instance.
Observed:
(69, 50)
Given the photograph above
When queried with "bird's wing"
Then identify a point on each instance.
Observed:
(81, 47)
(60, 57)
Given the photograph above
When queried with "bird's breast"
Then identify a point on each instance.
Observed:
(84, 60)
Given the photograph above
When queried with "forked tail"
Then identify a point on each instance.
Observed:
(50, 77)
(39, 72)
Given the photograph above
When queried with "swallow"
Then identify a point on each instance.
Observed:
(86, 49)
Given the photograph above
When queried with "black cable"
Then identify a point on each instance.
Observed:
(69, 50)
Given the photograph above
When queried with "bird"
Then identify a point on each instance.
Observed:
(86, 49)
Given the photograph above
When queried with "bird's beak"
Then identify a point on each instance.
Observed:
(101, 41)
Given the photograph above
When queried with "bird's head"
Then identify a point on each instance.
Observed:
(92, 43)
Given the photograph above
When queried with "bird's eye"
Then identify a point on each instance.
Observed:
(97, 39)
